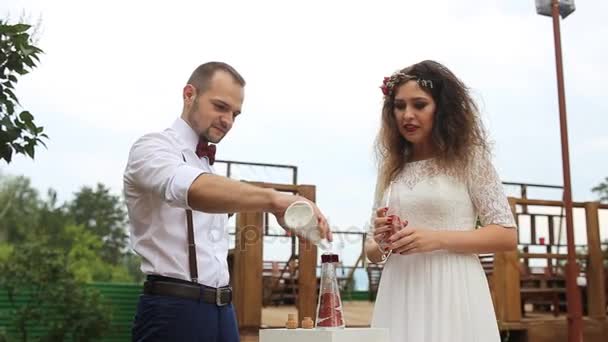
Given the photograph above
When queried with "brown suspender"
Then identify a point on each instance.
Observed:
(191, 244)
(191, 248)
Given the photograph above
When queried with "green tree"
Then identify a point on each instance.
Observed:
(85, 261)
(18, 56)
(602, 190)
(19, 208)
(54, 298)
(24, 214)
(104, 214)
(5, 251)
(91, 229)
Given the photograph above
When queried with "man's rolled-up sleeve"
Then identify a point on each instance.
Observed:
(155, 166)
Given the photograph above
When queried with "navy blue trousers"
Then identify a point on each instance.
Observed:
(161, 318)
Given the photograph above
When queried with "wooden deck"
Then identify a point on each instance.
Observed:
(548, 328)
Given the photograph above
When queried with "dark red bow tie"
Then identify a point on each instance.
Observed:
(203, 149)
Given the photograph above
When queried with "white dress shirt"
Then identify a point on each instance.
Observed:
(156, 183)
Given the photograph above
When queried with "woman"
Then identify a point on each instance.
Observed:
(435, 172)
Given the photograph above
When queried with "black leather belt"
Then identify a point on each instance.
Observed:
(164, 286)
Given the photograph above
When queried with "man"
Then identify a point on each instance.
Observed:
(177, 208)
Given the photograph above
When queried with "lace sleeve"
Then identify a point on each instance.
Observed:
(487, 193)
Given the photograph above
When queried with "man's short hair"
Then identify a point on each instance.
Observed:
(201, 77)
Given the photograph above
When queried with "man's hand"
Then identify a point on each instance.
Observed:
(217, 194)
(282, 201)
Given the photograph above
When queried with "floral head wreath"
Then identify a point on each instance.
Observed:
(389, 83)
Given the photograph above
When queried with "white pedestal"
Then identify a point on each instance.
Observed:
(318, 335)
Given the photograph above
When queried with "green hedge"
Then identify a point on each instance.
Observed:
(122, 298)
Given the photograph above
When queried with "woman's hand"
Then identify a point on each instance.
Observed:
(385, 226)
(414, 240)
(382, 226)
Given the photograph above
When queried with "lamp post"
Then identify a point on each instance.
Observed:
(555, 8)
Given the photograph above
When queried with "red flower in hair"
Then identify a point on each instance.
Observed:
(386, 85)
(384, 89)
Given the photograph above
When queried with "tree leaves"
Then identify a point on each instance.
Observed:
(10, 30)
(602, 191)
(103, 214)
(18, 133)
(6, 152)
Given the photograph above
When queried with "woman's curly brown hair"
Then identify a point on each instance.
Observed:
(457, 133)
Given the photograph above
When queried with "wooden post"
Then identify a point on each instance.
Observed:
(307, 267)
(506, 286)
(512, 286)
(551, 222)
(596, 296)
(248, 266)
(532, 229)
(498, 281)
(551, 242)
(511, 277)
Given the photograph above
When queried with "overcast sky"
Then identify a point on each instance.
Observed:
(114, 70)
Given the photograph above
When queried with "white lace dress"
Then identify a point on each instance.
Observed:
(441, 296)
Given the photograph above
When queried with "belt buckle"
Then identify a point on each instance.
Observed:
(218, 297)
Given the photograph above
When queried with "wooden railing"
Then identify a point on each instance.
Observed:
(506, 278)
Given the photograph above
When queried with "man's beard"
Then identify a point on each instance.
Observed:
(206, 134)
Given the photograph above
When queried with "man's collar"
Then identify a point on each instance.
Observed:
(186, 133)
